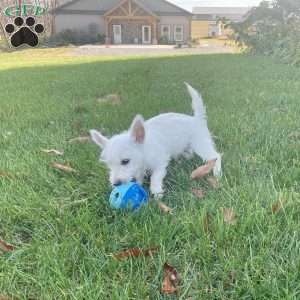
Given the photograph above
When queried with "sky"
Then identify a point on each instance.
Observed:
(189, 4)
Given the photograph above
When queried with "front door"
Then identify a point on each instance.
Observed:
(146, 34)
(117, 33)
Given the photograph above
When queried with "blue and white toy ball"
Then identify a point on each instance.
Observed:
(128, 196)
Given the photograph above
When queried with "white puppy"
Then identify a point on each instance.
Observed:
(148, 146)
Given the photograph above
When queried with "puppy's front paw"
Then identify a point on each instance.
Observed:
(158, 196)
(157, 191)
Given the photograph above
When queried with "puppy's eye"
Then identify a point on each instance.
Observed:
(125, 162)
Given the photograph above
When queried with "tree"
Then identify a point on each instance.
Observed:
(272, 28)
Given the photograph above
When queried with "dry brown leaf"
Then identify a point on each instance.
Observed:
(135, 252)
(198, 193)
(277, 206)
(5, 298)
(6, 247)
(171, 280)
(203, 170)
(53, 151)
(80, 140)
(213, 182)
(5, 175)
(229, 216)
(164, 208)
(112, 98)
(64, 168)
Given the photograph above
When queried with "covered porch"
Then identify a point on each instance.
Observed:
(131, 23)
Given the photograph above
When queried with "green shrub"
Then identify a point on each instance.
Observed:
(77, 37)
(164, 40)
(272, 29)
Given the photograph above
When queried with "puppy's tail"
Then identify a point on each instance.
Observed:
(197, 104)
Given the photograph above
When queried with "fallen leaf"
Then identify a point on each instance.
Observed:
(5, 174)
(112, 98)
(203, 170)
(164, 208)
(64, 168)
(277, 206)
(229, 216)
(80, 140)
(198, 193)
(213, 182)
(5, 298)
(6, 247)
(53, 151)
(135, 252)
(171, 280)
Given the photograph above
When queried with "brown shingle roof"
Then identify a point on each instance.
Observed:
(231, 13)
(159, 7)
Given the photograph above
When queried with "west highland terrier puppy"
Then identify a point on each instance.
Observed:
(148, 146)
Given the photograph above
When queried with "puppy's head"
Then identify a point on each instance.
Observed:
(123, 153)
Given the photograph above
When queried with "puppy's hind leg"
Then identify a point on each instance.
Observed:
(205, 148)
(202, 143)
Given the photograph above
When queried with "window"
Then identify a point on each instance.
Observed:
(146, 34)
(178, 33)
(166, 32)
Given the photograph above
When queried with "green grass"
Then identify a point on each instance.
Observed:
(63, 251)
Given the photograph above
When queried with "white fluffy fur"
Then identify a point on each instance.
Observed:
(150, 145)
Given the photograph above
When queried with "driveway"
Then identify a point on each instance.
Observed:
(151, 50)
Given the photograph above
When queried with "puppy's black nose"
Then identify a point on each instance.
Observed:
(118, 183)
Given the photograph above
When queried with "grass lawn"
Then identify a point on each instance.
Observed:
(64, 247)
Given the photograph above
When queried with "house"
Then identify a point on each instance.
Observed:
(205, 20)
(127, 21)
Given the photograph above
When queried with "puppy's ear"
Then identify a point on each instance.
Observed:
(98, 138)
(137, 129)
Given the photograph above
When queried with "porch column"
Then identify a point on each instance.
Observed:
(107, 34)
(154, 40)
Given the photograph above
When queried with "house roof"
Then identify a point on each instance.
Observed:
(231, 13)
(138, 2)
(162, 7)
(159, 7)
(203, 17)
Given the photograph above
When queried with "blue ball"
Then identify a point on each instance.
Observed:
(128, 196)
